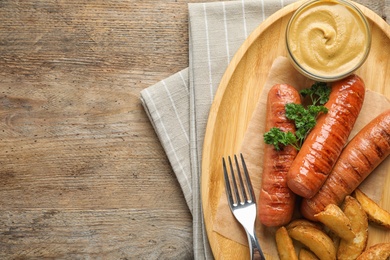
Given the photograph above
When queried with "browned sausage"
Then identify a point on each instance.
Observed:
(358, 159)
(325, 141)
(276, 201)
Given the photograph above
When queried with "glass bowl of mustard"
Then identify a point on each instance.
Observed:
(328, 40)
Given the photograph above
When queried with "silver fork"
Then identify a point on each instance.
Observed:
(242, 202)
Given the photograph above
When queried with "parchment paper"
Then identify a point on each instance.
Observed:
(252, 149)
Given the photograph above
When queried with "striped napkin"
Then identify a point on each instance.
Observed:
(178, 106)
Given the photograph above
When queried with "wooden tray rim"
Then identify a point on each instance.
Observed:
(212, 235)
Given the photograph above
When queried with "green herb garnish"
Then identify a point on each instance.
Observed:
(305, 118)
(319, 93)
(278, 138)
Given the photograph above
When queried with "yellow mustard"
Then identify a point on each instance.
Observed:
(328, 39)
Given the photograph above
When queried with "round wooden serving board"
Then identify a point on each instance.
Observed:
(236, 99)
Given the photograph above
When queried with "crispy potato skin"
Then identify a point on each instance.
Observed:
(285, 245)
(375, 213)
(316, 240)
(379, 251)
(335, 219)
(306, 255)
(303, 222)
(351, 249)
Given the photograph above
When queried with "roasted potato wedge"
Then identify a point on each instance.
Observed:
(316, 240)
(335, 219)
(305, 254)
(285, 245)
(351, 249)
(303, 222)
(335, 238)
(375, 213)
(376, 252)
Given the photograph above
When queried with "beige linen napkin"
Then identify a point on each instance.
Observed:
(178, 106)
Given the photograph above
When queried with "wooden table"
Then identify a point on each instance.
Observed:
(82, 172)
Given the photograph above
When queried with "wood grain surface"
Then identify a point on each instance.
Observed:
(82, 172)
(237, 97)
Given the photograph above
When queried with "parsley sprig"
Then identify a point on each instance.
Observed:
(278, 138)
(305, 118)
(319, 93)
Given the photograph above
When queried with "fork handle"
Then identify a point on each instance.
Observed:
(254, 247)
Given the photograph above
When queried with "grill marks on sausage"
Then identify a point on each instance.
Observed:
(324, 143)
(276, 200)
(358, 159)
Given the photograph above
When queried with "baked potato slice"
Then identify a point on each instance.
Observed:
(335, 219)
(351, 249)
(316, 240)
(378, 252)
(305, 254)
(284, 245)
(303, 222)
(375, 213)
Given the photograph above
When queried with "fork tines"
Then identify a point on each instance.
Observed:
(242, 193)
(243, 205)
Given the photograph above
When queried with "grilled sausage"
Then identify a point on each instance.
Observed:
(276, 200)
(358, 159)
(325, 141)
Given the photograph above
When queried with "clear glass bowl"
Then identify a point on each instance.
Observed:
(328, 40)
